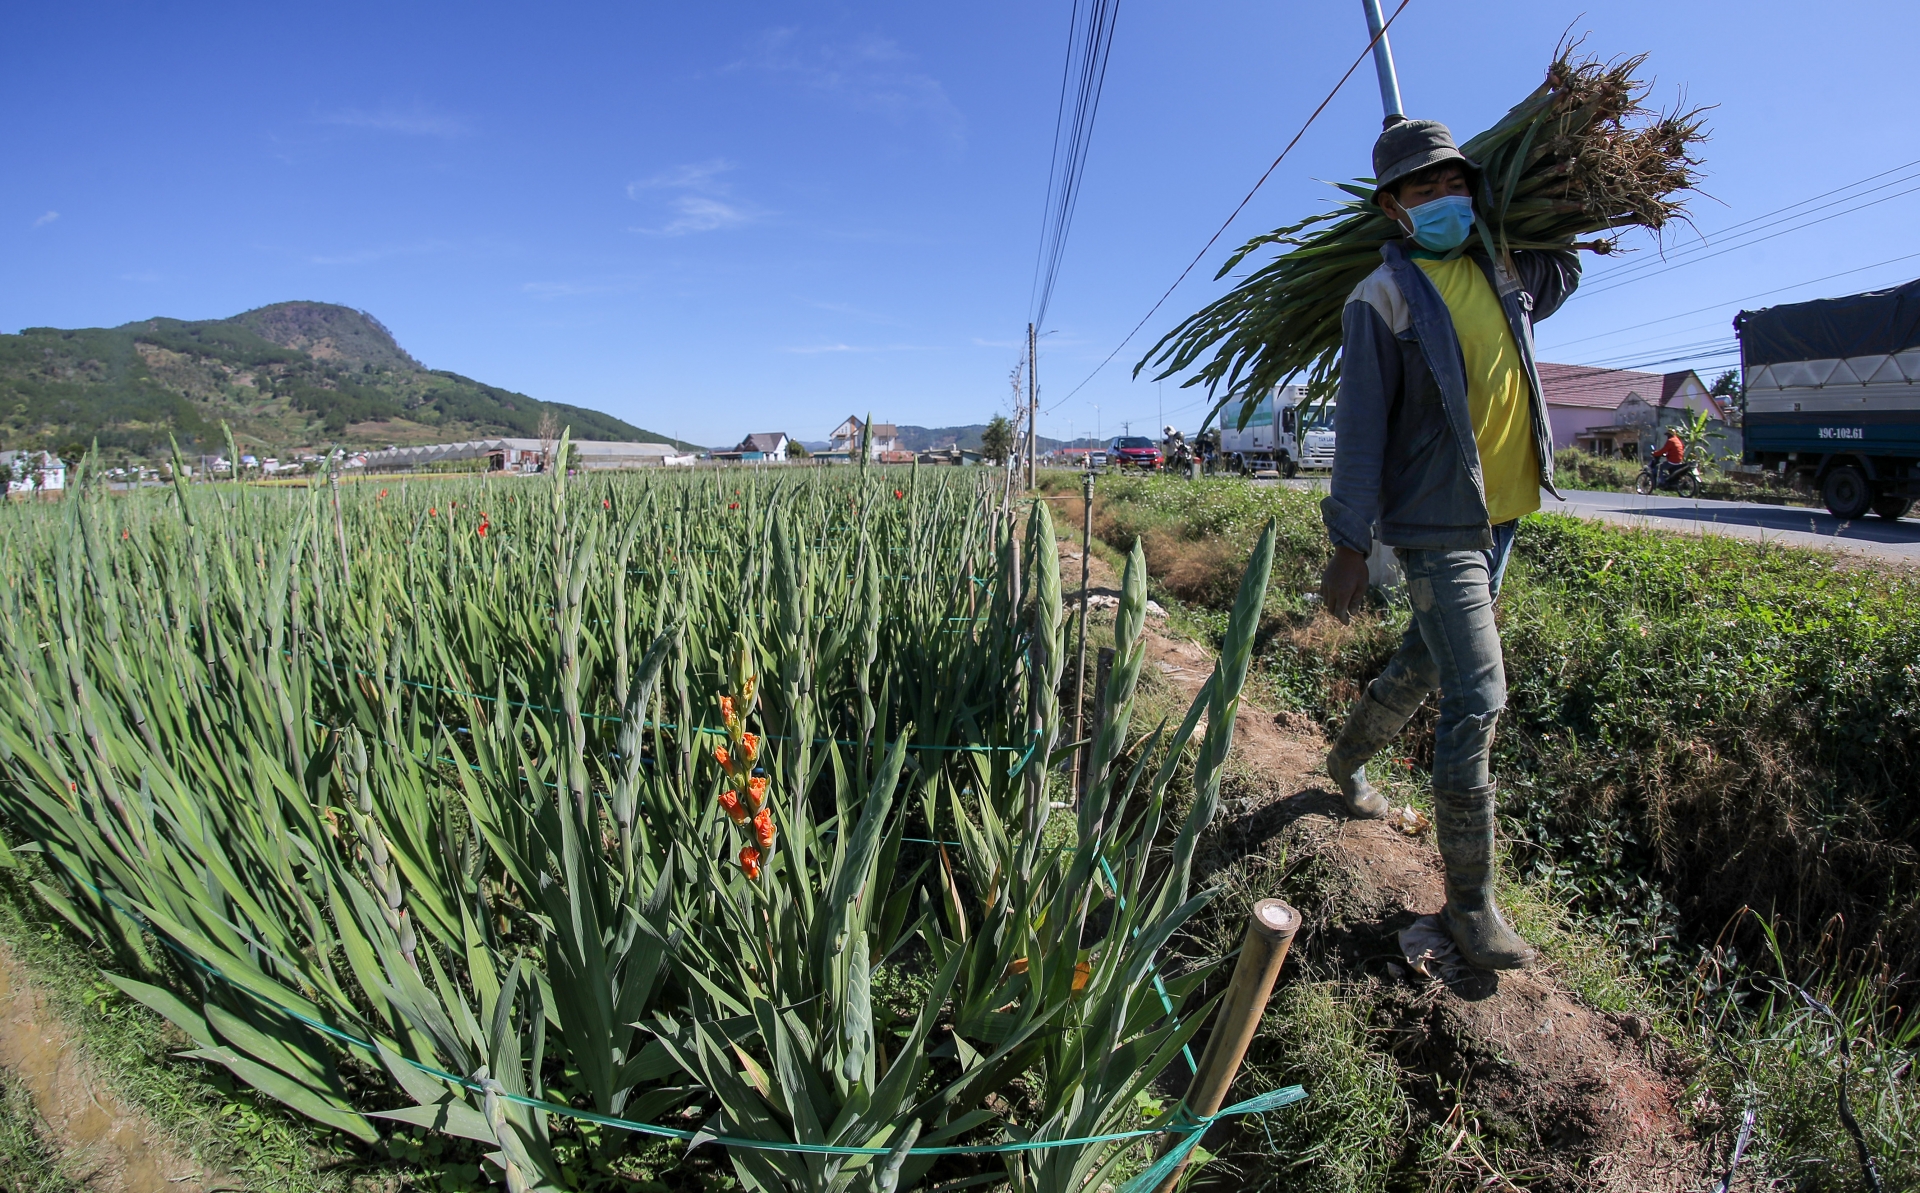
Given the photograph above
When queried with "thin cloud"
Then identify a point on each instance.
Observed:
(547, 291)
(814, 349)
(842, 308)
(411, 122)
(369, 255)
(698, 176)
(46, 219)
(704, 202)
(140, 277)
(869, 74)
(701, 213)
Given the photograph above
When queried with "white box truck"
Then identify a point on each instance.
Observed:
(1288, 432)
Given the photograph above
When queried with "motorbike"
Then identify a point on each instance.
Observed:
(1682, 479)
(1179, 457)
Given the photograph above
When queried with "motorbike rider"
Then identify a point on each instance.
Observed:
(1668, 457)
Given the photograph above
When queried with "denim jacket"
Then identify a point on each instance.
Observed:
(1405, 461)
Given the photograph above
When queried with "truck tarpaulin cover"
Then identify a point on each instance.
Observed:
(1877, 323)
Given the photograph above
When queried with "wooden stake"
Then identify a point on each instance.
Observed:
(1270, 932)
(1080, 667)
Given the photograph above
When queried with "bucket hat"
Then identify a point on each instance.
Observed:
(1408, 146)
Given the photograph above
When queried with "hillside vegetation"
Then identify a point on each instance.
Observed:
(294, 374)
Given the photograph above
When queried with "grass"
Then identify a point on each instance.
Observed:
(29, 1162)
(1695, 726)
(202, 1111)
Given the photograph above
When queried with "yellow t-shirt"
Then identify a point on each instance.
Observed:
(1496, 388)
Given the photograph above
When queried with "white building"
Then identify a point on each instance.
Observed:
(846, 437)
(30, 472)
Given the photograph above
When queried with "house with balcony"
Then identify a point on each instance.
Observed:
(845, 439)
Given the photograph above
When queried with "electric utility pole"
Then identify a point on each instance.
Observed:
(1383, 65)
(1033, 405)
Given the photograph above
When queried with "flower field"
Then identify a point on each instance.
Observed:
(556, 815)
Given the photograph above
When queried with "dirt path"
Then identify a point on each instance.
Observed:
(109, 1145)
(1592, 1100)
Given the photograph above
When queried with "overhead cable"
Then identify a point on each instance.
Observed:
(1235, 214)
(1089, 41)
(1731, 301)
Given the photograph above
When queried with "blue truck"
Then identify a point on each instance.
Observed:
(1833, 397)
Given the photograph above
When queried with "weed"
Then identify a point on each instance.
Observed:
(29, 1163)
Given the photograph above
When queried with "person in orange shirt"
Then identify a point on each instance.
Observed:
(1667, 457)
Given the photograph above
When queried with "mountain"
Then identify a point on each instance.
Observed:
(290, 375)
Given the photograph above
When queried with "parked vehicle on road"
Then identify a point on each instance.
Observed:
(1833, 396)
(1287, 432)
(1134, 451)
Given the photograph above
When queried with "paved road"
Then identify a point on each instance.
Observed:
(1788, 525)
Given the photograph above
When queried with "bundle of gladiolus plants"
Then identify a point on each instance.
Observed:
(623, 798)
(1581, 156)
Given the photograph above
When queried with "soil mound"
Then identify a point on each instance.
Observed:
(1577, 1098)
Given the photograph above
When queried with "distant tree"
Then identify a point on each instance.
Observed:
(797, 450)
(997, 440)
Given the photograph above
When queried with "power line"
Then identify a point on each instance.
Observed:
(1611, 282)
(1242, 206)
(1744, 298)
(1767, 219)
(1089, 41)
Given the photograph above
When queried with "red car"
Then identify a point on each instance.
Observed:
(1135, 451)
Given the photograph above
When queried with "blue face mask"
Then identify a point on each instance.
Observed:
(1441, 225)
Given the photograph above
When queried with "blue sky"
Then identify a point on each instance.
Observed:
(721, 218)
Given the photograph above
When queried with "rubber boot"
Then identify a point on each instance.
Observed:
(1463, 822)
(1370, 726)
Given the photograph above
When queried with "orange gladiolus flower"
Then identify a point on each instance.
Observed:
(750, 861)
(733, 505)
(731, 802)
(433, 511)
(763, 827)
(1082, 972)
(481, 530)
(721, 756)
(726, 709)
(757, 791)
(605, 504)
(899, 493)
(383, 493)
(750, 746)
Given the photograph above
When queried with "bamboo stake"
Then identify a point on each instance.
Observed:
(1080, 673)
(1270, 932)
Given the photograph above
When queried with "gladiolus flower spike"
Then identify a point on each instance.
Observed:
(744, 794)
(763, 828)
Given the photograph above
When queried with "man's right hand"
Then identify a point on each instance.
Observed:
(1344, 584)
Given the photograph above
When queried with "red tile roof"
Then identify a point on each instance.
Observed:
(1599, 389)
(1604, 389)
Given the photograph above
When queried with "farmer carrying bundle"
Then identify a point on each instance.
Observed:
(1442, 437)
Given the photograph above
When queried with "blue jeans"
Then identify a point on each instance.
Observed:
(1452, 648)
